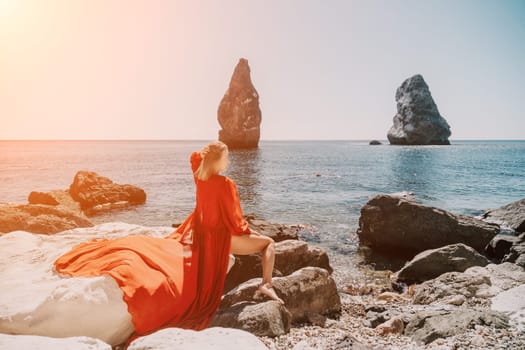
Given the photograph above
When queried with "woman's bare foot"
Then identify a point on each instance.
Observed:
(267, 289)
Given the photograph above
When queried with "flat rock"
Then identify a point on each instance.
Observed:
(400, 227)
(434, 262)
(474, 284)
(417, 121)
(214, 338)
(427, 326)
(39, 218)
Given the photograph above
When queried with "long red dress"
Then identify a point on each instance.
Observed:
(178, 280)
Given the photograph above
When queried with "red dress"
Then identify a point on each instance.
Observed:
(170, 282)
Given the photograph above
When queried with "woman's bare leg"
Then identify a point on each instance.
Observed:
(252, 243)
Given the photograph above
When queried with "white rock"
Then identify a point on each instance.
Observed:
(214, 338)
(35, 342)
(37, 300)
(512, 302)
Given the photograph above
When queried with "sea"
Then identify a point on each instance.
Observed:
(321, 185)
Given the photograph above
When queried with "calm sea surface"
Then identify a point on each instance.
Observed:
(321, 184)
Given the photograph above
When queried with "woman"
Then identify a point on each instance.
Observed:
(178, 280)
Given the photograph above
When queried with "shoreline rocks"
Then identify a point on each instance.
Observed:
(239, 114)
(432, 263)
(511, 215)
(403, 227)
(417, 121)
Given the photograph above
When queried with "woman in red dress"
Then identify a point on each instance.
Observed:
(178, 280)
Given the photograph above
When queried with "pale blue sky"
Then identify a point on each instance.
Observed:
(76, 69)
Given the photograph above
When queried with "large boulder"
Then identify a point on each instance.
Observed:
(239, 114)
(310, 290)
(434, 262)
(37, 300)
(290, 255)
(475, 286)
(26, 342)
(98, 193)
(427, 326)
(417, 121)
(511, 215)
(268, 318)
(403, 227)
(214, 338)
(39, 218)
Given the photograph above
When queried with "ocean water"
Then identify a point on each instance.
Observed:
(320, 184)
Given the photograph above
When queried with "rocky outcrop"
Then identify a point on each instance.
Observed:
(214, 338)
(428, 326)
(476, 285)
(417, 121)
(306, 292)
(267, 318)
(290, 255)
(403, 227)
(511, 215)
(434, 262)
(39, 218)
(98, 193)
(239, 114)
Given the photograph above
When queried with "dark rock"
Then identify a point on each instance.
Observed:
(41, 198)
(39, 218)
(516, 252)
(98, 193)
(500, 246)
(427, 326)
(434, 262)
(374, 142)
(290, 255)
(268, 318)
(417, 121)
(239, 114)
(512, 215)
(308, 290)
(401, 227)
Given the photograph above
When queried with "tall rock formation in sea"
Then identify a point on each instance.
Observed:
(417, 121)
(239, 114)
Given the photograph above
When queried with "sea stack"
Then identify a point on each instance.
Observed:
(417, 121)
(239, 114)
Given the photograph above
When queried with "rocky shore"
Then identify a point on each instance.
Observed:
(460, 287)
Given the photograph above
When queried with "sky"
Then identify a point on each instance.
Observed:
(324, 70)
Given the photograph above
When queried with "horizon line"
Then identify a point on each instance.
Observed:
(261, 140)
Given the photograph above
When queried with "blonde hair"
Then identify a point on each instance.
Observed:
(210, 153)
